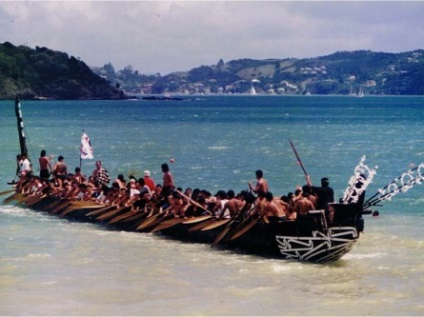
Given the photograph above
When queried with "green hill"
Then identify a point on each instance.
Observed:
(340, 73)
(43, 73)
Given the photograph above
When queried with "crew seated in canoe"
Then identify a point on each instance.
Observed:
(33, 187)
(79, 177)
(198, 209)
(84, 193)
(272, 210)
(120, 180)
(220, 210)
(291, 213)
(177, 206)
(190, 203)
(303, 205)
(234, 204)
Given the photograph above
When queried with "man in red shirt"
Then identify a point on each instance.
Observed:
(149, 181)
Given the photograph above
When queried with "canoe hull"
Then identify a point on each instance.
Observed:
(308, 239)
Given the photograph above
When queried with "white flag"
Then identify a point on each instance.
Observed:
(86, 149)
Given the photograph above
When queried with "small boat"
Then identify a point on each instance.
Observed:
(320, 236)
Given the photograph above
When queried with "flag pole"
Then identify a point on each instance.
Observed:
(80, 158)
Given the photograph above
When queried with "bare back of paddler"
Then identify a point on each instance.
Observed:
(303, 206)
(272, 210)
(233, 204)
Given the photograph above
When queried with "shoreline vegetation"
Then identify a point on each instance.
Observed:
(44, 74)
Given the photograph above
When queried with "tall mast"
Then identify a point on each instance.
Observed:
(22, 140)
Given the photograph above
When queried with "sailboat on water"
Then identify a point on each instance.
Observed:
(358, 94)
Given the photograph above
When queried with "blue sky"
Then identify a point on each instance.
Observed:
(168, 36)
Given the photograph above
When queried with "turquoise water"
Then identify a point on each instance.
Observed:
(63, 268)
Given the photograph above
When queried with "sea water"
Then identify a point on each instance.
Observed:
(51, 266)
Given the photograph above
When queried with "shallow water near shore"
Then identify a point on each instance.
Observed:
(50, 266)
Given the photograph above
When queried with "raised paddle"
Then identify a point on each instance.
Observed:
(299, 161)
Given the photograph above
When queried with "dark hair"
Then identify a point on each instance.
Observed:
(221, 194)
(261, 193)
(231, 194)
(269, 196)
(284, 198)
(43, 153)
(60, 158)
(325, 181)
(259, 173)
(165, 167)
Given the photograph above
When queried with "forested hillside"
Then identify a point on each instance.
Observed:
(340, 73)
(44, 73)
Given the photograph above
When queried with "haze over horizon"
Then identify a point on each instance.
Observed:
(164, 36)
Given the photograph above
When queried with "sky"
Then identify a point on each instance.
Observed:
(169, 36)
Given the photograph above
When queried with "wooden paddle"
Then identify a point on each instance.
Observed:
(125, 215)
(193, 201)
(138, 216)
(23, 199)
(202, 224)
(224, 232)
(217, 223)
(135, 221)
(53, 204)
(64, 212)
(101, 210)
(15, 196)
(112, 213)
(196, 219)
(167, 224)
(61, 207)
(86, 205)
(11, 198)
(149, 221)
(7, 192)
(245, 228)
(34, 199)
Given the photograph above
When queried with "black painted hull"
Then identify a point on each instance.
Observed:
(307, 239)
